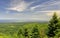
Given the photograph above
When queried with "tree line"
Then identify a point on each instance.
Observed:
(53, 29)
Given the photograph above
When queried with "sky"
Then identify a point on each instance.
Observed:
(28, 10)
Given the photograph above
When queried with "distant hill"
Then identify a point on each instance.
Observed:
(15, 21)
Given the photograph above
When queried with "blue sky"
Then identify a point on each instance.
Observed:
(28, 10)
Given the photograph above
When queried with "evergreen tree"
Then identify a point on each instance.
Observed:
(26, 33)
(52, 26)
(20, 33)
(58, 30)
(35, 32)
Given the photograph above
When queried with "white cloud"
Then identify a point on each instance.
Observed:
(36, 16)
(18, 5)
(50, 13)
(47, 5)
(23, 17)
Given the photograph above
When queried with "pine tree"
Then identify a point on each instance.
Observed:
(52, 26)
(58, 30)
(26, 33)
(20, 33)
(35, 32)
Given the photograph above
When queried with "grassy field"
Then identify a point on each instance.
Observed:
(10, 30)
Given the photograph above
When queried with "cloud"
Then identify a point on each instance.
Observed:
(50, 13)
(41, 12)
(48, 5)
(37, 16)
(18, 5)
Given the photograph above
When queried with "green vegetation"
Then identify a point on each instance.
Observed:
(24, 30)
(53, 26)
(31, 29)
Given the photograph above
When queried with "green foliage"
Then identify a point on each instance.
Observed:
(52, 26)
(21, 30)
(26, 33)
(20, 33)
(35, 32)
